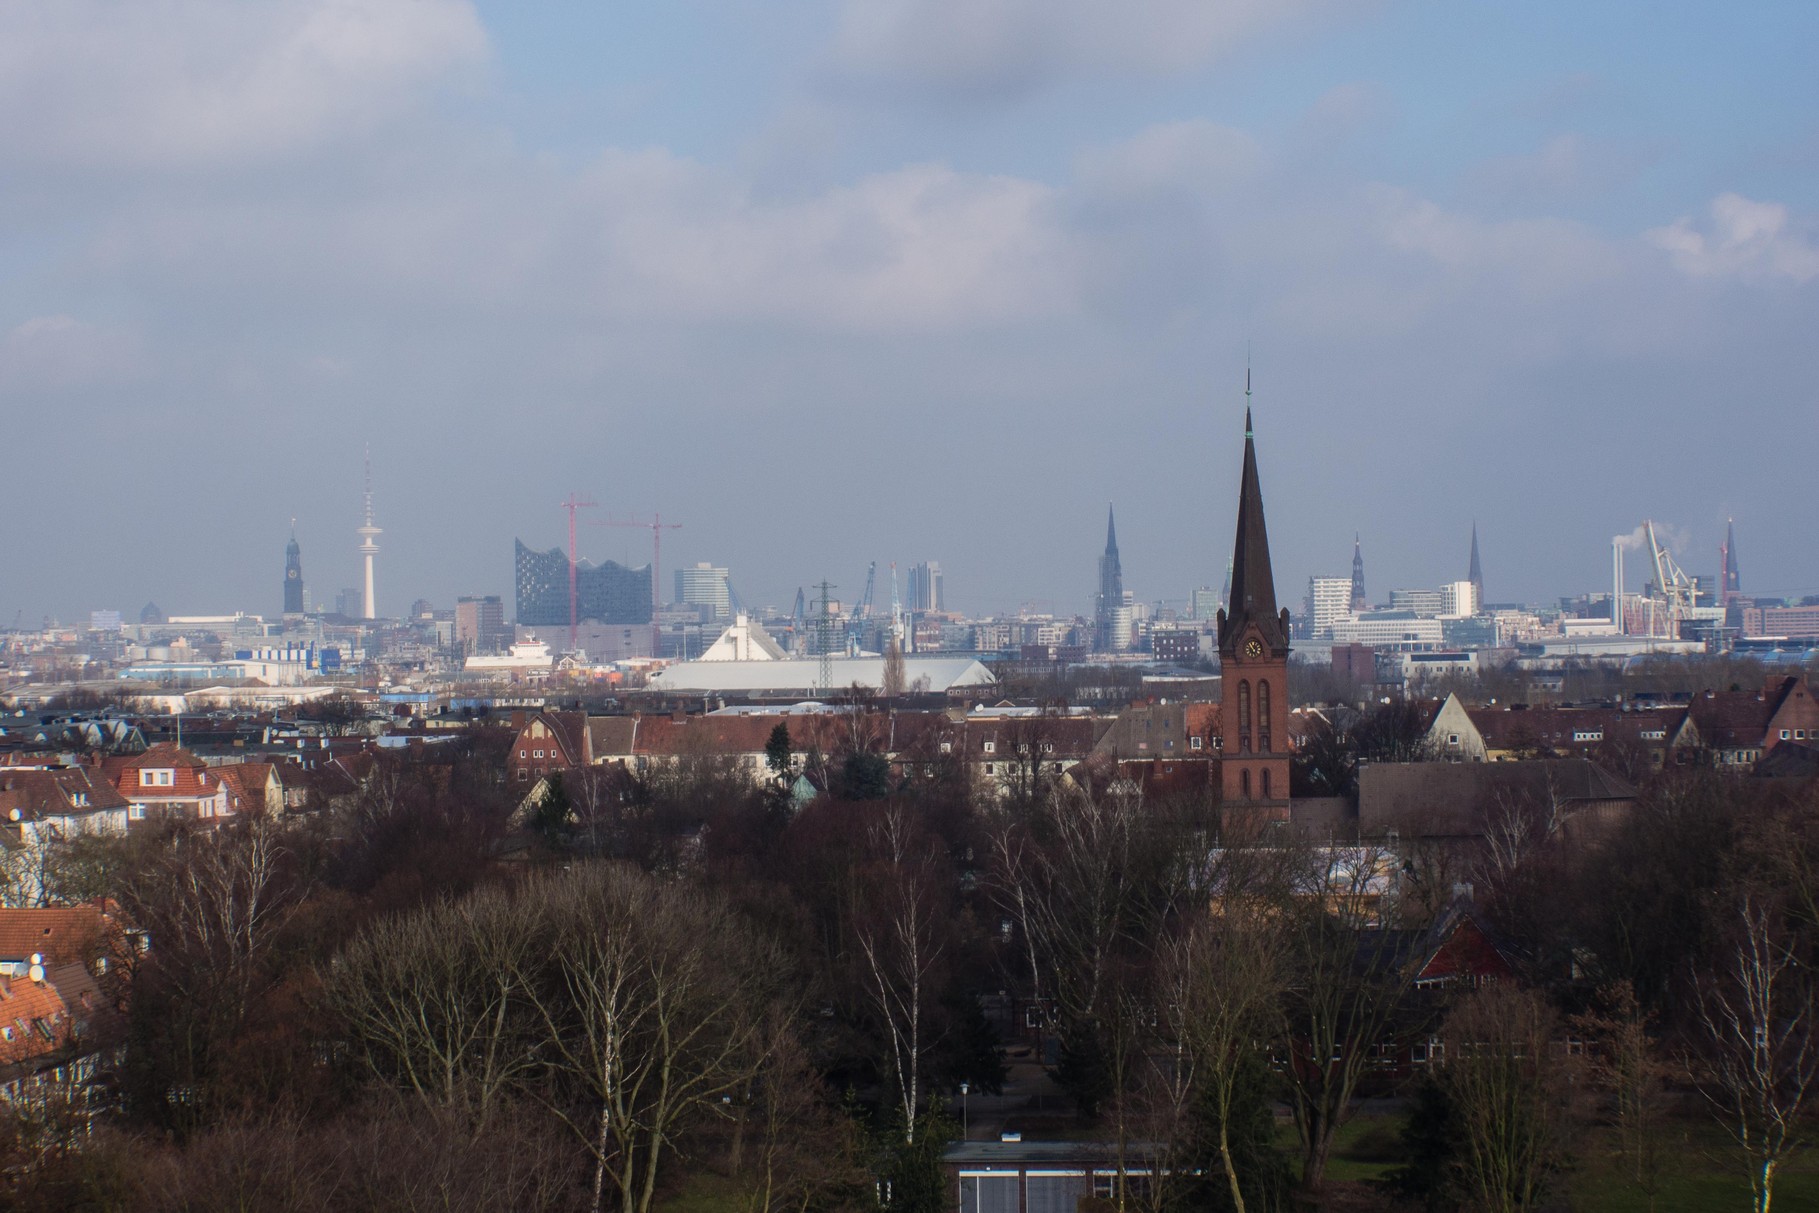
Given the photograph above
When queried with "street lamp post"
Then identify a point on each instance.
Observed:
(964, 1088)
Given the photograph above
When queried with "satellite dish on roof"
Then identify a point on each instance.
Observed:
(37, 958)
(14, 815)
(37, 974)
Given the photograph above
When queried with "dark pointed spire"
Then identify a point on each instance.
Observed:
(1111, 587)
(293, 574)
(1358, 599)
(1732, 578)
(1253, 594)
(1476, 575)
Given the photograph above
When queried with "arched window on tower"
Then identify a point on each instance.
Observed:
(1244, 718)
(1244, 783)
(1266, 784)
(1263, 718)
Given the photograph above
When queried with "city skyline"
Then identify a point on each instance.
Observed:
(902, 279)
(323, 591)
(1727, 566)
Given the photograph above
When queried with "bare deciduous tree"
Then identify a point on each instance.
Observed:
(1344, 990)
(898, 928)
(1634, 1075)
(1760, 1027)
(1221, 988)
(1509, 1087)
(652, 1006)
(212, 902)
(436, 1001)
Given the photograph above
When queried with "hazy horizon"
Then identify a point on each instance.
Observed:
(835, 281)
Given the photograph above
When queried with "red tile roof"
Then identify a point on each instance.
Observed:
(40, 794)
(1554, 728)
(191, 779)
(61, 934)
(34, 1021)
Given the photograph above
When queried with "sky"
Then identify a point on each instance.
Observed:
(835, 281)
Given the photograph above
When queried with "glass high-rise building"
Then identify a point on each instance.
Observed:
(609, 592)
(704, 585)
(926, 591)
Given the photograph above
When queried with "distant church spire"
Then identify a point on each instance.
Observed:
(1111, 588)
(1359, 602)
(293, 574)
(1733, 580)
(1476, 575)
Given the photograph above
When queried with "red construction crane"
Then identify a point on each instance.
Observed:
(574, 503)
(656, 526)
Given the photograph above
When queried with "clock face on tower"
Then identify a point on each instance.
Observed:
(292, 574)
(1253, 649)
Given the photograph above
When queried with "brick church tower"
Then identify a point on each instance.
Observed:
(1253, 658)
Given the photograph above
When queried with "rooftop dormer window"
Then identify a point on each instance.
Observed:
(161, 778)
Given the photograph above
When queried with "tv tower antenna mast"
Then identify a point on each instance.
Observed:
(367, 533)
(574, 503)
(656, 526)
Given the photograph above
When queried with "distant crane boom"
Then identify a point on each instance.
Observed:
(863, 608)
(898, 632)
(574, 504)
(1677, 590)
(656, 526)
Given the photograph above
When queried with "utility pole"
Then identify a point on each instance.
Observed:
(825, 624)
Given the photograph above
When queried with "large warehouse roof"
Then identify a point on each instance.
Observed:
(804, 677)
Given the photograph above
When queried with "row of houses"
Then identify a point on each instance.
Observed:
(41, 805)
(1738, 727)
(1153, 745)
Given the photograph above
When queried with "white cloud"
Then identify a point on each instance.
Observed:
(175, 83)
(60, 353)
(921, 246)
(1566, 166)
(1010, 46)
(1744, 239)
(643, 237)
(1540, 257)
(1195, 154)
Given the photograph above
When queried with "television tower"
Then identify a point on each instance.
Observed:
(368, 548)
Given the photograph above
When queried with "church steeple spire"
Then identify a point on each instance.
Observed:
(1253, 596)
(1476, 575)
(1359, 601)
(1107, 635)
(1253, 658)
